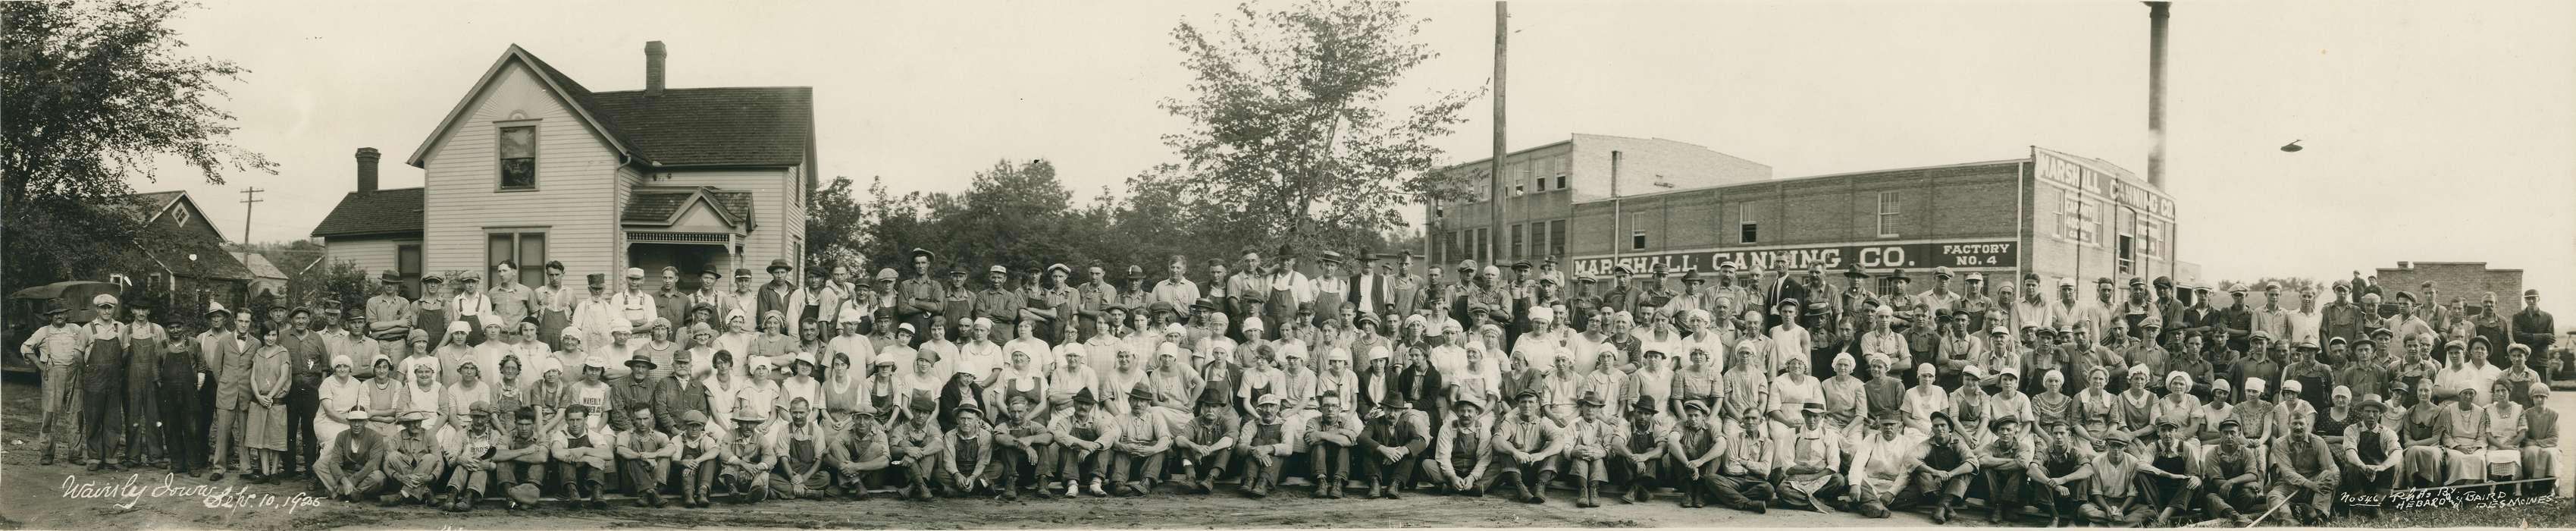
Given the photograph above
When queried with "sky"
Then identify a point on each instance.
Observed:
(2433, 132)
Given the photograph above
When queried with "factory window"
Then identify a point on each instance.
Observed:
(2128, 256)
(1519, 189)
(1637, 240)
(1560, 181)
(1556, 238)
(1538, 239)
(1887, 214)
(1752, 232)
(2088, 223)
(1484, 245)
(2066, 217)
(2155, 237)
(1516, 242)
(1886, 285)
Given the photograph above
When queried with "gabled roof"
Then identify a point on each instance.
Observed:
(382, 212)
(259, 265)
(220, 264)
(736, 126)
(663, 206)
(574, 95)
(752, 126)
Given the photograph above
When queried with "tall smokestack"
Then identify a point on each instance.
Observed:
(653, 53)
(367, 157)
(2157, 12)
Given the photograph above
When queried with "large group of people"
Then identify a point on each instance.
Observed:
(1755, 391)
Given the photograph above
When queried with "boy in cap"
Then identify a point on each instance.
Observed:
(519, 463)
(850, 458)
(1022, 442)
(1592, 439)
(644, 455)
(2173, 451)
(2114, 497)
(354, 468)
(581, 457)
(1942, 472)
(470, 454)
(2006, 462)
(917, 443)
(1392, 446)
(2232, 474)
(696, 459)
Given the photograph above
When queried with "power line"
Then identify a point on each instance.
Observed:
(250, 199)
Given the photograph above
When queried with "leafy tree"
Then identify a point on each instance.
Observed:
(96, 91)
(1292, 137)
(834, 225)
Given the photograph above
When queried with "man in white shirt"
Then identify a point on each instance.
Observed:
(636, 306)
(1789, 341)
(1177, 290)
(2306, 320)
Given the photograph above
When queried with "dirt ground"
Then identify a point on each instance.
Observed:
(35, 497)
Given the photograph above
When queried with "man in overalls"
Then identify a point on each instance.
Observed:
(2304, 474)
(58, 348)
(748, 462)
(554, 306)
(103, 384)
(1942, 473)
(181, 431)
(1266, 445)
(957, 311)
(429, 312)
(2006, 463)
(520, 463)
(2056, 486)
(2172, 451)
(1641, 453)
(916, 444)
(800, 455)
(146, 344)
(644, 456)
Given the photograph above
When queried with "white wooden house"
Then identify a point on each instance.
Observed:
(532, 166)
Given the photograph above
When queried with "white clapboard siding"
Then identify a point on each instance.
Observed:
(373, 255)
(574, 203)
(779, 219)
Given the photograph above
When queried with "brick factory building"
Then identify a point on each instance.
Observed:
(2051, 213)
(2469, 282)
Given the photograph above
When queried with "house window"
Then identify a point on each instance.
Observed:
(1556, 238)
(1752, 231)
(407, 265)
(527, 249)
(1887, 214)
(1637, 240)
(519, 157)
(179, 215)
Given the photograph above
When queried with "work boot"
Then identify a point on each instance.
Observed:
(1941, 510)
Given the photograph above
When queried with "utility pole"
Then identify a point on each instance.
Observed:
(1502, 40)
(250, 199)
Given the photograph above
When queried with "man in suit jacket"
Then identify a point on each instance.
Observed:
(1369, 291)
(1781, 287)
(1404, 290)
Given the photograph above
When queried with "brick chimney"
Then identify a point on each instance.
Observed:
(653, 53)
(367, 157)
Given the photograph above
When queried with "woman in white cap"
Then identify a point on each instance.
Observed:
(1925, 398)
(2051, 404)
(757, 398)
(800, 383)
(2291, 407)
(2135, 411)
(549, 393)
(1846, 403)
(2221, 406)
(423, 397)
(2258, 418)
(2464, 438)
(468, 389)
(592, 391)
(575, 345)
(2177, 405)
(981, 356)
(338, 394)
(2504, 434)
(453, 350)
(1791, 390)
(1024, 377)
